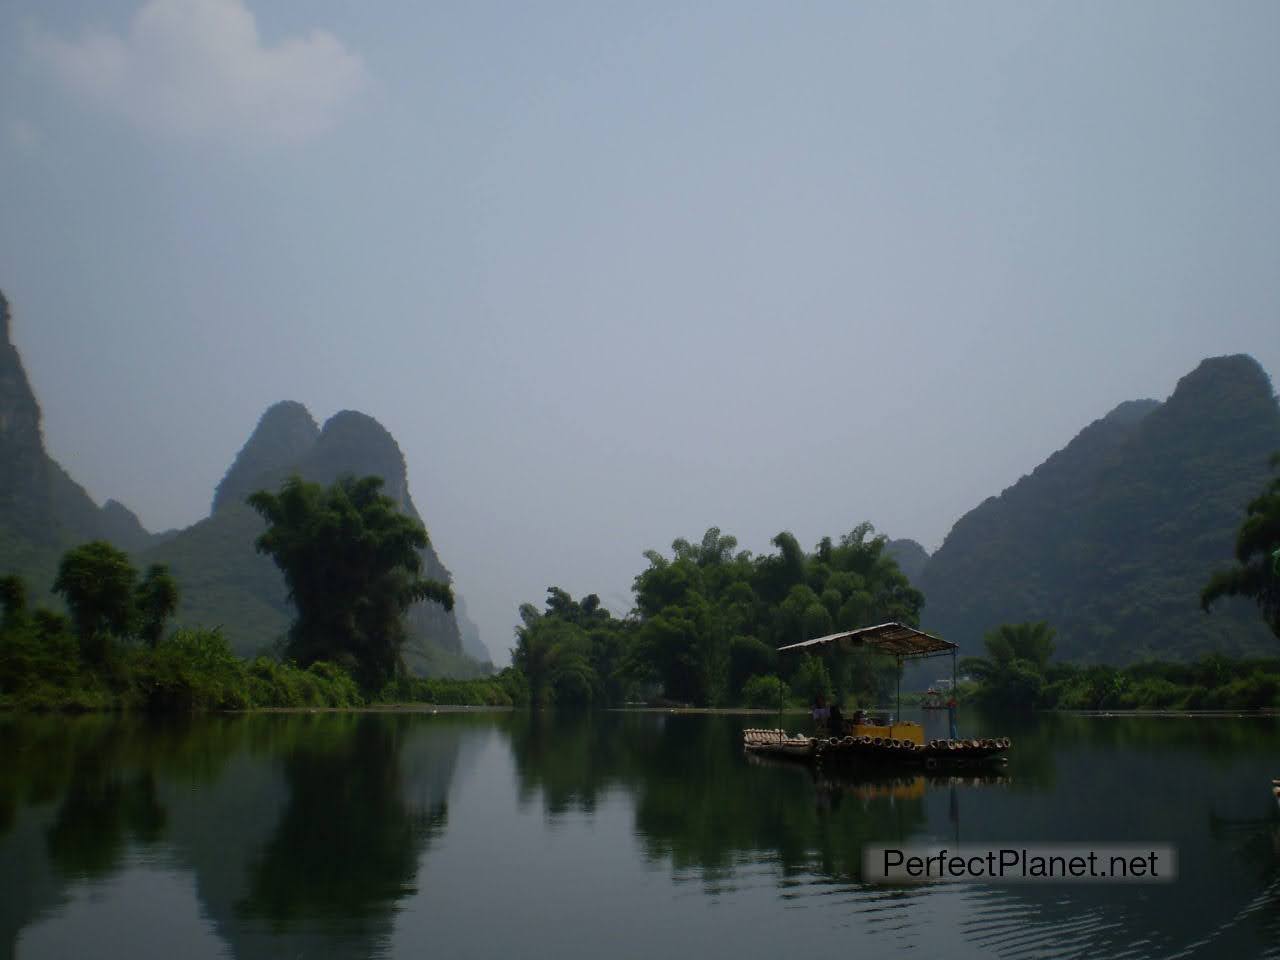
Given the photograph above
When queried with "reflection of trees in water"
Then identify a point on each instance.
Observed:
(698, 803)
(81, 793)
(701, 807)
(303, 833)
(99, 815)
(347, 845)
(1194, 782)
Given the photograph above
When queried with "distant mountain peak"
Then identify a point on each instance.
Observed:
(354, 442)
(909, 556)
(286, 413)
(285, 433)
(1111, 538)
(1220, 389)
(1234, 365)
(121, 526)
(1131, 411)
(288, 442)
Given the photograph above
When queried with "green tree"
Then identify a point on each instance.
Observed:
(555, 655)
(1012, 673)
(352, 564)
(709, 619)
(764, 692)
(1257, 571)
(574, 653)
(155, 601)
(812, 680)
(13, 597)
(97, 582)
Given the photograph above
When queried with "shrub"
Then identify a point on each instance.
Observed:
(764, 692)
(811, 680)
(1153, 693)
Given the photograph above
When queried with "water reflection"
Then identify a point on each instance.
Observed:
(303, 833)
(347, 844)
(324, 835)
(698, 803)
(701, 806)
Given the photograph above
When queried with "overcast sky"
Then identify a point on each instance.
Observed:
(614, 273)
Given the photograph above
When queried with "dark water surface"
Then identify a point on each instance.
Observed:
(485, 835)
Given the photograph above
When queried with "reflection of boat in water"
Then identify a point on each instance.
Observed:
(881, 783)
(878, 740)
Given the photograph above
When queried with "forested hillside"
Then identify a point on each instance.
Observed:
(223, 581)
(1111, 539)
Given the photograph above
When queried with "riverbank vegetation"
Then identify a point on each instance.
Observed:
(705, 630)
(353, 565)
(112, 650)
(708, 621)
(1256, 574)
(42, 668)
(1017, 674)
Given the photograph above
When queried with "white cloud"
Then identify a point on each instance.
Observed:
(197, 68)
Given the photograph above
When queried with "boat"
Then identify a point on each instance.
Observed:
(876, 750)
(878, 739)
(1275, 790)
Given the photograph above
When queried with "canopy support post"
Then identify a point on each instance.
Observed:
(897, 713)
(951, 701)
(782, 703)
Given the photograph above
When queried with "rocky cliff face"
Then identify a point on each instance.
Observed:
(1113, 536)
(24, 467)
(472, 645)
(40, 505)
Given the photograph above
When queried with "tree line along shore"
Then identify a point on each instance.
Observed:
(707, 622)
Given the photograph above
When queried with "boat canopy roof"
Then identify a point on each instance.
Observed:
(895, 639)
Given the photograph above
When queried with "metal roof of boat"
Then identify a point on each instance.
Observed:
(893, 638)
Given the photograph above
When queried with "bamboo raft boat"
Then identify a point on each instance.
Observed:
(868, 749)
(888, 740)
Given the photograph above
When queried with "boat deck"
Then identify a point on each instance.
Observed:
(874, 749)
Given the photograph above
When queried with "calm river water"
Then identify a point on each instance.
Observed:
(615, 834)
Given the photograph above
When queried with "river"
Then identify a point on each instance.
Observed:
(609, 834)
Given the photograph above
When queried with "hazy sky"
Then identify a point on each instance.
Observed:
(614, 273)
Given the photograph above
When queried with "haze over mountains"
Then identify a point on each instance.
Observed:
(1110, 539)
(42, 510)
(223, 581)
